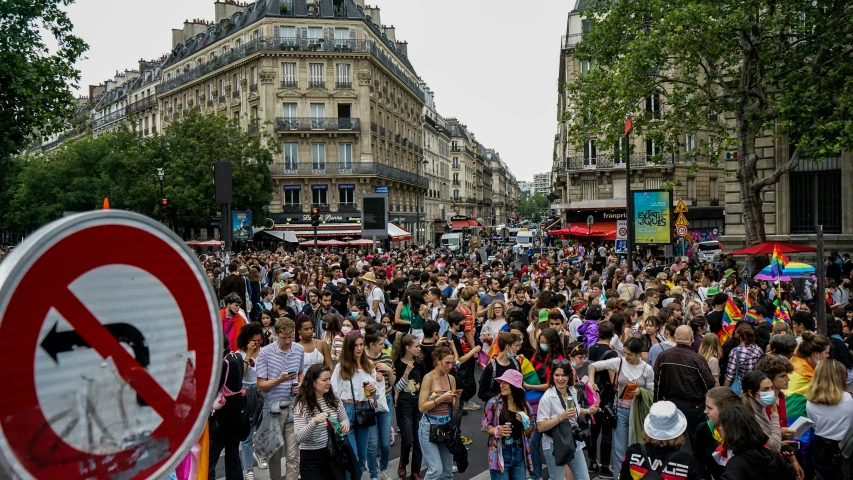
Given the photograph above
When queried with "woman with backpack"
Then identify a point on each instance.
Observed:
(563, 403)
(663, 434)
(830, 406)
(249, 345)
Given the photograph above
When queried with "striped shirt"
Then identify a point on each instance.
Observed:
(272, 362)
(385, 359)
(310, 436)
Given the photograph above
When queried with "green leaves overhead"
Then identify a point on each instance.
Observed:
(122, 166)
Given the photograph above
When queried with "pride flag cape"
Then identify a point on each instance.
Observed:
(730, 316)
(528, 375)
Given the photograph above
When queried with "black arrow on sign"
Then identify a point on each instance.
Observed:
(60, 342)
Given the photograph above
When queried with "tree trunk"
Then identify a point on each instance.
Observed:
(753, 214)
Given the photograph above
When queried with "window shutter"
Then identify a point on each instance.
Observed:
(352, 34)
(303, 33)
(276, 33)
(328, 34)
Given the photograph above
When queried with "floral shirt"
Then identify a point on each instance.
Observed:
(491, 418)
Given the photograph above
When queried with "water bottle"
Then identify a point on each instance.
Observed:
(335, 425)
(366, 391)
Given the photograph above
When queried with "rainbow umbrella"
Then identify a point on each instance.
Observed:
(795, 269)
(771, 274)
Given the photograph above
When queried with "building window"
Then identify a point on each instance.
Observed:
(455, 162)
(291, 156)
(590, 154)
(293, 197)
(690, 142)
(235, 88)
(315, 75)
(318, 156)
(712, 188)
(285, 34)
(342, 37)
(288, 111)
(288, 75)
(589, 190)
(314, 35)
(691, 188)
(345, 156)
(254, 75)
(653, 183)
(319, 196)
(346, 195)
(653, 105)
(318, 114)
(343, 75)
(585, 66)
(651, 150)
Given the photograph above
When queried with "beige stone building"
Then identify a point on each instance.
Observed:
(332, 85)
(437, 167)
(592, 181)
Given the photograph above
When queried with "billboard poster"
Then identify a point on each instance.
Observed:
(241, 222)
(652, 217)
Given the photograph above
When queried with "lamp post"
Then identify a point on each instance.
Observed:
(161, 172)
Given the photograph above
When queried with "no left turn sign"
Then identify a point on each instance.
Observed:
(116, 340)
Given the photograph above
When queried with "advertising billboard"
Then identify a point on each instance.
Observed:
(374, 216)
(652, 217)
(241, 222)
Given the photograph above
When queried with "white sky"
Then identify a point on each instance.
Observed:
(492, 64)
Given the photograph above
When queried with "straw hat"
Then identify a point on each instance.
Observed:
(369, 277)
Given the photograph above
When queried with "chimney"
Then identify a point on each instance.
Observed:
(146, 65)
(403, 47)
(389, 32)
(225, 9)
(373, 13)
(360, 3)
(177, 37)
(193, 28)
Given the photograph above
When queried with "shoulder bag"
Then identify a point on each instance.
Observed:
(365, 415)
(445, 433)
(609, 410)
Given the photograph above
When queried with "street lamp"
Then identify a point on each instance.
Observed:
(161, 172)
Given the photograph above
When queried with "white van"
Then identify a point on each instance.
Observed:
(524, 239)
(708, 251)
(451, 241)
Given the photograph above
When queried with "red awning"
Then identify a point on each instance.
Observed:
(561, 232)
(767, 248)
(468, 222)
(583, 232)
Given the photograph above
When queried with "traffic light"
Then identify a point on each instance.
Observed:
(315, 217)
(165, 208)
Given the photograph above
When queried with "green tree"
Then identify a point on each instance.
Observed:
(737, 69)
(531, 206)
(122, 166)
(35, 79)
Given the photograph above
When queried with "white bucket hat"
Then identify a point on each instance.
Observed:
(664, 422)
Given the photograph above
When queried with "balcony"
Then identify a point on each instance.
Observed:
(148, 102)
(608, 161)
(292, 83)
(210, 103)
(294, 44)
(569, 41)
(112, 117)
(343, 84)
(329, 124)
(456, 183)
(373, 127)
(292, 208)
(346, 168)
(254, 127)
(487, 170)
(455, 149)
(145, 132)
(235, 94)
(153, 129)
(222, 99)
(455, 166)
(253, 87)
(347, 207)
(316, 83)
(323, 207)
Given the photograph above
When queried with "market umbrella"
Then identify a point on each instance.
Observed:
(583, 232)
(560, 232)
(767, 248)
(795, 269)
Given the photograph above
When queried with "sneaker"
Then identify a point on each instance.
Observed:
(455, 469)
(471, 406)
(392, 437)
(465, 440)
(250, 475)
(593, 466)
(262, 464)
(383, 475)
(605, 472)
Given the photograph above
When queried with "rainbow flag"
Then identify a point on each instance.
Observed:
(573, 258)
(782, 315)
(753, 317)
(777, 262)
(731, 315)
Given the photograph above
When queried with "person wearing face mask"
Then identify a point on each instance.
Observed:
(758, 394)
(508, 345)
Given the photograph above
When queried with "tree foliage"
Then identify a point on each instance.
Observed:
(122, 166)
(736, 69)
(531, 207)
(35, 79)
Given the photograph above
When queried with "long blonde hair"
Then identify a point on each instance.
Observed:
(491, 311)
(828, 384)
(710, 347)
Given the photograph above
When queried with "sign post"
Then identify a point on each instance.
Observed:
(621, 236)
(108, 386)
(589, 221)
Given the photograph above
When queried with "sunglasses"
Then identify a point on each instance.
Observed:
(561, 362)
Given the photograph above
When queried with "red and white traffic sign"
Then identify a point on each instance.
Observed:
(113, 329)
(681, 230)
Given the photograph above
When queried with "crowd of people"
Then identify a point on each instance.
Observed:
(586, 368)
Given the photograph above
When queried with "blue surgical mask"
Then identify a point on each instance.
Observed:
(481, 294)
(354, 315)
(510, 355)
(767, 398)
(459, 335)
(543, 347)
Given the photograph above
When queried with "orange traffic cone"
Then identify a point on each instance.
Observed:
(106, 203)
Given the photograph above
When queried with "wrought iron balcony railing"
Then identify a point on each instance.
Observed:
(253, 87)
(316, 84)
(148, 102)
(569, 41)
(343, 84)
(347, 207)
(290, 83)
(323, 207)
(109, 118)
(347, 168)
(607, 161)
(222, 99)
(284, 124)
(254, 127)
(292, 44)
(210, 103)
(291, 208)
(235, 94)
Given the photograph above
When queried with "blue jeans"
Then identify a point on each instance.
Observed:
(536, 453)
(247, 446)
(620, 439)
(438, 459)
(577, 465)
(381, 435)
(358, 439)
(513, 456)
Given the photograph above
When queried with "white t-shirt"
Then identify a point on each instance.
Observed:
(376, 294)
(574, 324)
(550, 407)
(832, 421)
(252, 376)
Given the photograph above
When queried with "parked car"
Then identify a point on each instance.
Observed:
(708, 251)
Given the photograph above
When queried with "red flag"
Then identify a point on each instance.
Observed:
(629, 125)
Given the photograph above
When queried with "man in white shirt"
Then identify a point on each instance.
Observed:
(375, 297)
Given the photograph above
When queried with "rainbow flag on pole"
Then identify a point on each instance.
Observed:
(731, 315)
(777, 262)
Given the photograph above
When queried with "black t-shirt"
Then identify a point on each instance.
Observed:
(525, 307)
(715, 321)
(488, 386)
(426, 352)
(339, 300)
(416, 376)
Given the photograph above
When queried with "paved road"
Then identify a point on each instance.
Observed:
(478, 468)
